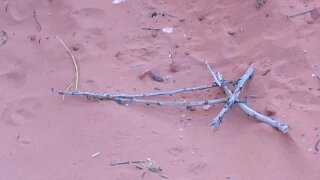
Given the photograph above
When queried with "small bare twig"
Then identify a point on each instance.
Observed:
(152, 29)
(67, 89)
(36, 20)
(147, 165)
(316, 145)
(217, 81)
(3, 38)
(302, 13)
(126, 162)
(74, 62)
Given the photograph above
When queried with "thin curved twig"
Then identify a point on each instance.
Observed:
(73, 60)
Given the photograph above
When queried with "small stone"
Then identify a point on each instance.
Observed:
(167, 30)
(313, 75)
(270, 110)
(183, 115)
(174, 66)
(305, 51)
(95, 154)
(206, 107)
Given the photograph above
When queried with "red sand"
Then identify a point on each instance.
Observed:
(43, 137)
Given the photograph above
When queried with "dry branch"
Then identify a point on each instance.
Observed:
(109, 96)
(173, 103)
(126, 162)
(232, 99)
(303, 13)
(36, 20)
(121, 100)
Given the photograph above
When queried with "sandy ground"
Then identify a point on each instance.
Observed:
(43, 137)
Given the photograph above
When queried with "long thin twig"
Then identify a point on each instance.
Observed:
(302, 13)
(173, 103)
(73, 60)
(272, 122)
(126, 162)
(109, 96)
(121, 100)
(36, 20)
(153, 29)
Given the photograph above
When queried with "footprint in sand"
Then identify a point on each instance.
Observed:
(87, 18)
(88, 12)
(197, 168)
(14, 78)
(177, 150)
(19, 112)
(21, 10)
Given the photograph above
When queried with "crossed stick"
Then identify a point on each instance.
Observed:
(231, 99)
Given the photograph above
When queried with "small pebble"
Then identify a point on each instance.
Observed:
(95, 154)
(206, 107)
